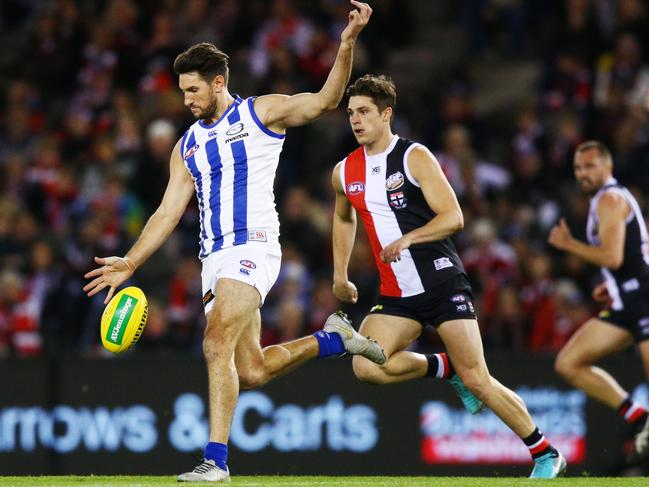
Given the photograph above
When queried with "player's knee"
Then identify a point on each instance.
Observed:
(477, 381)
(216, 347)
(367, 371)
(565, 367)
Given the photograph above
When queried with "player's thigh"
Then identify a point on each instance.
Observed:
(463, 344)
(235, 305)
(593, 341)
(394, 333)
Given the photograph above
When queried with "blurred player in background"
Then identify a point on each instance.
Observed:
(410, 211)
(229, 158)
(618, 243)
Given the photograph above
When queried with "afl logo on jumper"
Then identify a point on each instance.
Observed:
(394, 181)
(191, 151)
(355, 188)
(235, 129)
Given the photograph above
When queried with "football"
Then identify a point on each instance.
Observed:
(123, 319)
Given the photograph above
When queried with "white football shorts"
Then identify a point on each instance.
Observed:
(255, 263)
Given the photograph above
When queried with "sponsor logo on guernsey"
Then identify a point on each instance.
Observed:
(378, 307)
(442, 263)
(394, 181)
(257, 236)
(191, 151)
(376, 170)
(235, 129)
(212, 133)
(236, 137)
(398, 200)
(248, 263)
(470, 306)
(458, 298)
(604, 314)
(355, 188)
(461, 307)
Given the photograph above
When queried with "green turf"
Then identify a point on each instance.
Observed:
(133, 481)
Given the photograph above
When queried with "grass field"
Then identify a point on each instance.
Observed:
(133, 481)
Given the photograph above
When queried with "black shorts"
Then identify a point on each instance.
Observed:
(451, 300)
(634, 318)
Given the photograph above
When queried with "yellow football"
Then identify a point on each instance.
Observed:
(123, 319)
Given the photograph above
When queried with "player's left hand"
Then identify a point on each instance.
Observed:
(392, 253)
(560, 236)
(358, 19)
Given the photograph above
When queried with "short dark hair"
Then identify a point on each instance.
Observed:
(204, 58)
(601, 149)
(380, 89)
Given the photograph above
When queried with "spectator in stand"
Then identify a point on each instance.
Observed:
(558, 318)
(153, 166)
(100, 99)
(490, 262)
(624, 65)
(505, 327)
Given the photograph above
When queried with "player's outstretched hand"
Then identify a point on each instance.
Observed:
(113, 272)
(358, 19)
(345, 291)
(600, 293)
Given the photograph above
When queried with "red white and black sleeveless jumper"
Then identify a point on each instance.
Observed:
(390, 203)
(627, 286)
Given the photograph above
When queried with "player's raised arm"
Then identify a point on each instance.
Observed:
(115, 270)
(278, 112)
(344, 234)
(439, 196)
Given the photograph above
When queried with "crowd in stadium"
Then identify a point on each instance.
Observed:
(91, 110)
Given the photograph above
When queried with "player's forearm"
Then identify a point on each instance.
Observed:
(442, 226)
(334, 88)
(155, 233)
(599, 256)
(344, 233)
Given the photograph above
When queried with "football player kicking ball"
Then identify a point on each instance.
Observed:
(410, 211)
(228, 158)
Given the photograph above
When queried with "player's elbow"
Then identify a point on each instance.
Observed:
(613, 262)
(456, 221)
(327, 102)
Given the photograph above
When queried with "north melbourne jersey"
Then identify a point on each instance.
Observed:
(233, 163)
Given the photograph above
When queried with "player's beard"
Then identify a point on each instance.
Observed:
(591, 187)
(209, 112)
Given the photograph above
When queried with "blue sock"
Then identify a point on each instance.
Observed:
(330, 344)
(217, 452)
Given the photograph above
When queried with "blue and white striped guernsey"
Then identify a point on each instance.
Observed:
(233, 163)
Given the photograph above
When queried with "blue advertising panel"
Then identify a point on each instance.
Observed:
(147, 416)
